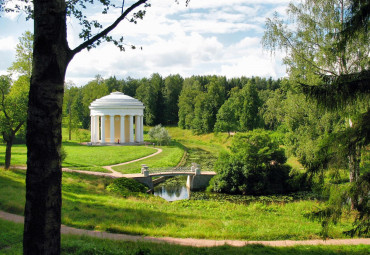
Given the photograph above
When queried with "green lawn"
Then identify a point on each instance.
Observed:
(85, 157)
(87, 204)
(170, 157)
(11, 243)
(91, 157)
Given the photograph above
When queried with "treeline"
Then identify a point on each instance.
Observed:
(201, 103)
(216, 104)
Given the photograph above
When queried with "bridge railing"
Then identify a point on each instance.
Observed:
(195, 168)
(171, 170)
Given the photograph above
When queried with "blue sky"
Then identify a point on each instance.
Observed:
(208, 37)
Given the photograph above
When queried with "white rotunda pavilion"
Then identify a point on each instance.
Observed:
(113, 117)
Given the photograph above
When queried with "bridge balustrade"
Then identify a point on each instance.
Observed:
(171, 170)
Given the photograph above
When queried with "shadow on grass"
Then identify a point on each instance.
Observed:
(88, 212)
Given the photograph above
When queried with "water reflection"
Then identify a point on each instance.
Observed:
(173, 189)
(172, 193)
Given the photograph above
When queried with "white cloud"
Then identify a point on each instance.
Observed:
(8, 43)
(207, 37)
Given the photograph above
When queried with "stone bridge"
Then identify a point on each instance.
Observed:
(197, 179)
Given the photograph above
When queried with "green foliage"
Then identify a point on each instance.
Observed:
(23, 57)
(171, 92)
(13, 110)
(250, 103)
(150, 93)
(256, 165)
(73, 109)
(341, 197)
(63, 154)
(125, 186)
(227, 120)
(187, 103)
(160, 135)
(91, 91)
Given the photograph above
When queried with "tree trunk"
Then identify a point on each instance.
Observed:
(70, 125)
(8, 151)
(51, 56)
(354, 169)
(354, 158)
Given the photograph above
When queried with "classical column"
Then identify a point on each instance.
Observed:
(102, 129)
(137, 128)
(142, 128)
(131, 128)
(122, 138)
(111, 128)
(92, 128)
(97, 128)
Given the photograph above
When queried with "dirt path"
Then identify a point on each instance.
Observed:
(189, 241)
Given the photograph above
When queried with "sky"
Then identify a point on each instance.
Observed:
(206, 37)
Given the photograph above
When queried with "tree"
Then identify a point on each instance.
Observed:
(250, 103)
(23, 57)
(73, 108)
(255, 166)
(171, 92)
(160, 135)
(227, 120)
(328, 57)
(335, 76)
(92, 90)
(14, 97)
(51, 57)
(191, 88)
(13, 110)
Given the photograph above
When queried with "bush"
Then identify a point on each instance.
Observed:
(255, 166)
(63, 154)
(160, 135)
(125, 186)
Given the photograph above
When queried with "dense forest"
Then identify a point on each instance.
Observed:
(201, 103)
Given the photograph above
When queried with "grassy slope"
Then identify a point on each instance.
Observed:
(86, 204)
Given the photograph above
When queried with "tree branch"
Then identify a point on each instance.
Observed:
(108, 29)
(3, 104)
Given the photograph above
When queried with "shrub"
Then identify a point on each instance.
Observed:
(125, 186)
(160, 135)
(63, 154)
(255, 166)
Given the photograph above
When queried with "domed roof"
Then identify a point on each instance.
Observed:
(116, 100)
